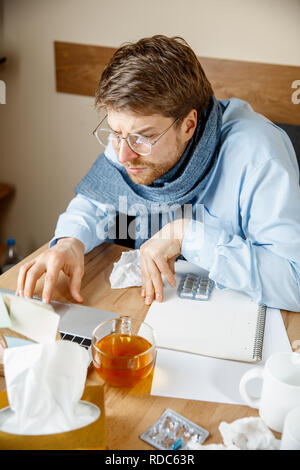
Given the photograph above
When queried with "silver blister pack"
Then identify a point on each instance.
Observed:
(173, 432)
(195, 287)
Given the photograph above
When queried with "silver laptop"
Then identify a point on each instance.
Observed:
(77, 322)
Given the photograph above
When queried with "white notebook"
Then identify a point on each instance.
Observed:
(229, 325)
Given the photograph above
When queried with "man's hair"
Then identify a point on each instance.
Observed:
(156, 75)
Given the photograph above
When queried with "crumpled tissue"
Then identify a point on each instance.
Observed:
(44, 385)
(127, 271)
(243, 434)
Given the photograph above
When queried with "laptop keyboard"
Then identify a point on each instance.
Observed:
(85, 342)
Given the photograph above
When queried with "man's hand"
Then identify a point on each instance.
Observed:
(158, 255)
(67, 256)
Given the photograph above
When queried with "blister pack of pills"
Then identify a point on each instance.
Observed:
(173, 432)
(195, 287)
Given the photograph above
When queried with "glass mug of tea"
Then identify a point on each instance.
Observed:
(123, 351)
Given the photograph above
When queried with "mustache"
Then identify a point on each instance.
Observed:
(136, 166)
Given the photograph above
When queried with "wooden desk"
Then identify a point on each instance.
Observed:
(131, 412)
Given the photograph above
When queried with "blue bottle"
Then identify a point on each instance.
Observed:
(10, 257)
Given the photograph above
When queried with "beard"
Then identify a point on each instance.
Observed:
(150, 174)
(153, 171)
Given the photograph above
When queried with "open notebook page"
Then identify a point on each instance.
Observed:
(225, 326)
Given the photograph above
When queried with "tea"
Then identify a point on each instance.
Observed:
(123, 360)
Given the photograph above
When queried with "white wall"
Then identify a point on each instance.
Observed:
(45, 141)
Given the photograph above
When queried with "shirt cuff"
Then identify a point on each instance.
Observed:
(78, 234)
(54, 240)
(200, 242)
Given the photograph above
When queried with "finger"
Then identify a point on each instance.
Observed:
(33, 274)
(149, 292)
(166, 270)
(156, 279)
(144, 276)
(50, 283)
(172, 263)
(22, 277)
(75, 284)
(147, 283)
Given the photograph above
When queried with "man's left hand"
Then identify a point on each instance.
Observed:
(158, 255)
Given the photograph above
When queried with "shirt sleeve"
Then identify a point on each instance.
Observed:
(87, 220)
(264, 260)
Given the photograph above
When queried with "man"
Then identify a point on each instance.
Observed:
(170, 146)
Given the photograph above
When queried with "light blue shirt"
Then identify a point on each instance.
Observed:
(250, 236)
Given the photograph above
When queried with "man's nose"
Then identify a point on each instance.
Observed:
(126, 153)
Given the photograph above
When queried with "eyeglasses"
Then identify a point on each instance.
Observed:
(138, 143)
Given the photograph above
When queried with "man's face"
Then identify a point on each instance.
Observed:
(165, 153)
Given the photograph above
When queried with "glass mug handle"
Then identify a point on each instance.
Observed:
(255, 373)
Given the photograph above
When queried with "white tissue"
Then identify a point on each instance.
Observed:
(249, 434)
(126, 272)
(244, 434)
(44, 385)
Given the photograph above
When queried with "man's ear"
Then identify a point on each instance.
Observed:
(189, 125)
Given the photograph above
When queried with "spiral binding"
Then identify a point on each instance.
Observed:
(259, 333)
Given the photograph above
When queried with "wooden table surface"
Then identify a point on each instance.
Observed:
(129, 412)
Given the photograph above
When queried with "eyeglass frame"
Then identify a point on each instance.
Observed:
(127, 138)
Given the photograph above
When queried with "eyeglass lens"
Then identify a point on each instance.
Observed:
(137, 142)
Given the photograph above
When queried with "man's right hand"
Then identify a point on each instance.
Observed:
(67, 256)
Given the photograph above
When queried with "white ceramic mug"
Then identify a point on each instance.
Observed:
(281, 388)
(291, 430)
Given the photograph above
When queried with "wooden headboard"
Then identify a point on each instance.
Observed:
(267, 87)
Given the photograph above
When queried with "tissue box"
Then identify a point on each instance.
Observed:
(92, 436)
